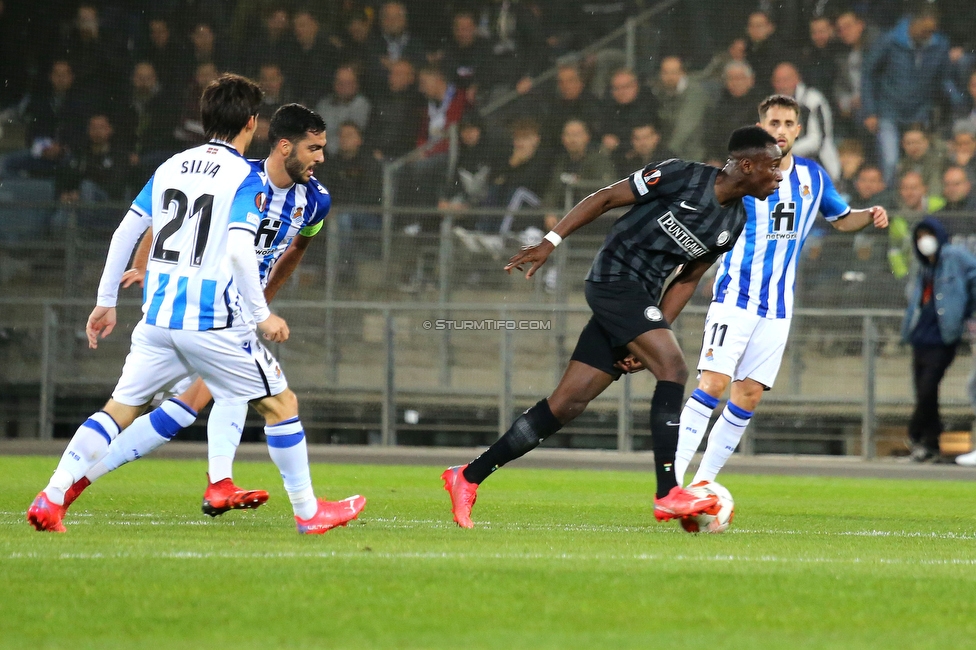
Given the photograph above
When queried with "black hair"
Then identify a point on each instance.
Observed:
(227, 104)
(923, 9)
(645, 124)
(433, 69)
(749, 138)
(292, 121)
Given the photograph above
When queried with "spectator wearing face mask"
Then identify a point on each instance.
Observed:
(942, 294)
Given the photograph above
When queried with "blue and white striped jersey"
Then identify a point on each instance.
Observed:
(759, 273)
(191, 203)
(299, 209)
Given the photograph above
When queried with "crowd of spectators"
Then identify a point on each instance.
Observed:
(888, 103)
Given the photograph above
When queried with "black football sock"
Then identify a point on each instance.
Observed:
(665, 415)
(525, 434)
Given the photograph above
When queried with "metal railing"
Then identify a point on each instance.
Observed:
(60, 370)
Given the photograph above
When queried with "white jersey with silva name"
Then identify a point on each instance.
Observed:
(296, 210)
(759, 273)
(191, 203)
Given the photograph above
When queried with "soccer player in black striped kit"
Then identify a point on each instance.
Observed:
(685, 214)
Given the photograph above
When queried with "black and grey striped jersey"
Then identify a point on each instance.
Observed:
(676, 218)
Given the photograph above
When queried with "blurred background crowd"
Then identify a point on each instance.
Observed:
(96, 94)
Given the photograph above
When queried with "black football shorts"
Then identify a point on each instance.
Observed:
(622, 311)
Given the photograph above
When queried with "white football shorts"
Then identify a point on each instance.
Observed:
(178, 389)
(233, 363)
(743, 345)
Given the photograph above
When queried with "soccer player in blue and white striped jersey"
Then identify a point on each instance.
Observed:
(297, 205)
(203, 303)
(749, 319)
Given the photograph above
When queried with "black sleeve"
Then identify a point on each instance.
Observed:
(658, 179)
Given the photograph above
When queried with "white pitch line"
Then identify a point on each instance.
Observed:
(396, 523)
(573, 557)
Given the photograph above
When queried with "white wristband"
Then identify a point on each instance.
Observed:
(553, 238)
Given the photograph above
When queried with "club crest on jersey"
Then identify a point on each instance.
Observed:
(805, 191)
(261, 201)
(710, 354)
(297, 214)
(783, 221)
(723, 238)
(653, 314)
(681, 235)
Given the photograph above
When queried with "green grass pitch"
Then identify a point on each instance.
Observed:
(560, 559)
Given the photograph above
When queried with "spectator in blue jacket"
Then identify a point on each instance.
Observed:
(904, 73)
(942, 294)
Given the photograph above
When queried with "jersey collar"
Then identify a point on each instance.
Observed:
(786, 174)
(225, 145)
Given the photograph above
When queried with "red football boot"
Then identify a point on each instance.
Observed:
(681, 503)
(463, 494)
(44, 515)
(331, 514)
(224, 495)
(74, 492)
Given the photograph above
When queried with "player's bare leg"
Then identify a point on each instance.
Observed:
(579, 385)
(88, 444)
(288, 449)
(659, 352)
(152, 430)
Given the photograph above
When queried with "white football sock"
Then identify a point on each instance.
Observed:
(224, 428)
(286, 444)
(694, 423)
(147, 433)
(89, 443)
(722, 441)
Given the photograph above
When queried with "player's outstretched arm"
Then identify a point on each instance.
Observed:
(286, 265)
(682, 288)
(860, 219)
(617, 195)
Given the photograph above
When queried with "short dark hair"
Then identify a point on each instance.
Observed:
(783, 101)
(525, 125)
(292, 121)
(432, 69)
(586, 127)
(227, 104)
(749, 138)
(923, 9)
(917, 126)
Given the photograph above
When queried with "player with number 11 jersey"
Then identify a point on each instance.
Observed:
(749, 319)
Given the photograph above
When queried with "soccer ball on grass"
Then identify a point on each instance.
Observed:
(717, 518)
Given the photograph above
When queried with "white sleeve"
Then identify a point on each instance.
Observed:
(244, 266)
(123, 241)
